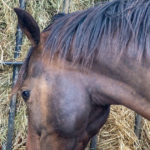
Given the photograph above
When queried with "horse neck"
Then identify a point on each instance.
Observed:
(128, 76)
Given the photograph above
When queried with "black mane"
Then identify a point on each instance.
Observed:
(84, 34)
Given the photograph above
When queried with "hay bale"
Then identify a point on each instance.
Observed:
(117, 133)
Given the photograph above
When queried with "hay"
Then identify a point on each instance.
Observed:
(117, 133)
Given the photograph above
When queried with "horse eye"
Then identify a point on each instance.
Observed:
(25, 95)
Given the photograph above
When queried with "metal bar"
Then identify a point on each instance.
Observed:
(11, 118)
(93, 143)
(138, 125)
(11, 63)
(66, 6)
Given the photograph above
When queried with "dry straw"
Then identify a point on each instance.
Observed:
(117, 133)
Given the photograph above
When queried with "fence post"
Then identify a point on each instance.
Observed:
(66, 6)
(138, 125)
(12, 110)
(93, 143)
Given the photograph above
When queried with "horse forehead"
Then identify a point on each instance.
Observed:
(58, 93)
(46, 80)
(67, 106)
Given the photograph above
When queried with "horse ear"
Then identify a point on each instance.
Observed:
(28, 26)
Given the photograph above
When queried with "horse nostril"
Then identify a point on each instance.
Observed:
(25, 95)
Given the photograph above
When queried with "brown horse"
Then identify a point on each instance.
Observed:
(81, 64)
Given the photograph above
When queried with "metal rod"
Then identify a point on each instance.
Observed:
(138, 125)
(93, 143)
(66, 6)
(11, 63)
(11, 118)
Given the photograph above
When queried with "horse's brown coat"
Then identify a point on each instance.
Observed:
(70, 102)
